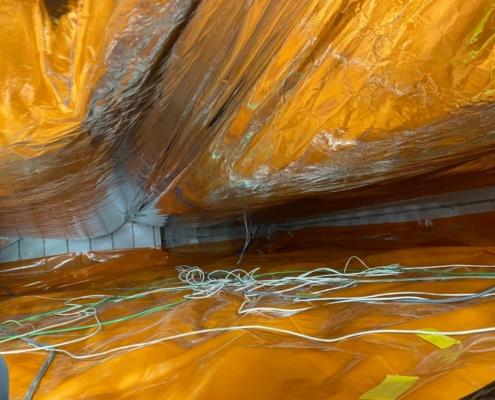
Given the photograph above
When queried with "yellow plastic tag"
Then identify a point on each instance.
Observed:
(441, 341)
(391, 388)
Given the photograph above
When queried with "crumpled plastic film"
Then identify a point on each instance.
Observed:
(353, 94)
(73, 87)
(244, 364)
(132, 109)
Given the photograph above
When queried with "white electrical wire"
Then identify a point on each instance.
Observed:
(393, 296)
(444, 266)
(46, 328)
(53, 347)
(199, 284)
(450, 266)
(248, 238)
(277, 311)
(261, 328)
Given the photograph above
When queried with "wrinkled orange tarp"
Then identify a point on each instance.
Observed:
(149, 109)
(249, 364)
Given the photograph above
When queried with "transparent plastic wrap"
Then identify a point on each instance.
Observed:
(73, 87)
(133, 109)
(130, 325)
(310, 97)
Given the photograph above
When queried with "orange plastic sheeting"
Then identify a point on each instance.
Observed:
(51, 64)
(121, 109)
(353, 94)
(66, 84)
(245, 364)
